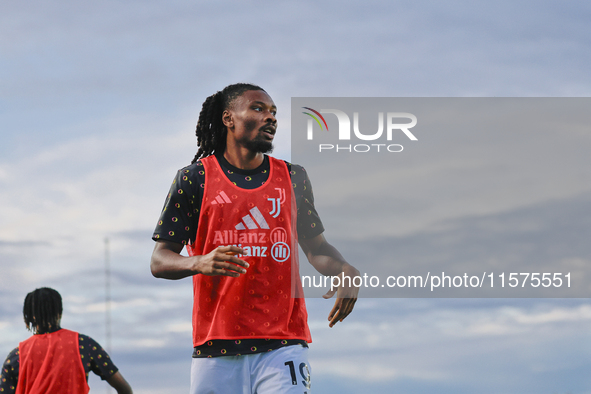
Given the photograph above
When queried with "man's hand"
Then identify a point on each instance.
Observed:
(346, 296)
(329, 262)
(222, 261)
(168, 263)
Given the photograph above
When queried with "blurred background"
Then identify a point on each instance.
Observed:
(98, 105)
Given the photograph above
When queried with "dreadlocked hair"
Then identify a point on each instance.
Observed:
(210, 131)
(42, 310)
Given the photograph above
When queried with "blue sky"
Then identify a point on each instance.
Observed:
(98, 103)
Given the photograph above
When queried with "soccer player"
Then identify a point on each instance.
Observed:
(55, 360)
(241, 213)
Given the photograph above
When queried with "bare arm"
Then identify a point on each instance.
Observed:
(118, 382)
(167, 262)
(328, 261)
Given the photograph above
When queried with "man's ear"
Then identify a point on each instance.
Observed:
(227, 119)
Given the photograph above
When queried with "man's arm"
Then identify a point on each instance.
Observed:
(328, 261)
(168, 263)
(118, 382)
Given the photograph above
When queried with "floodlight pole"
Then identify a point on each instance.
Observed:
(107, 303)
(107, 297)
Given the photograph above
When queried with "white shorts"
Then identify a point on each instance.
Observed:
(284, 370)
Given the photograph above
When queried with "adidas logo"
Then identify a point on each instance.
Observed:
(222, 198)
(253, 221)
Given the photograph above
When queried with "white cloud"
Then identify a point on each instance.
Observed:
(433, 344)
(185, 327)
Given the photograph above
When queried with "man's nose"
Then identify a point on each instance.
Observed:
(270, 117)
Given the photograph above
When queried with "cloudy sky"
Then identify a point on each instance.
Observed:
(98, 107)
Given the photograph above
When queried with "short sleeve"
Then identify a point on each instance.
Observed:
(95, 358)
(180, 215)
(9, 376)
(309, 223)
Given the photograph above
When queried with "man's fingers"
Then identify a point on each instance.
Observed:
(333, 311)
(228, 266)
(226, 269)
(348, 309)
(230, 255)
(224, 272)
(230, 249)
(341, 309)
(236, 261)
(335, 318)
(335, 314)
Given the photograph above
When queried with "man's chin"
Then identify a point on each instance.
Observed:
(260, 146)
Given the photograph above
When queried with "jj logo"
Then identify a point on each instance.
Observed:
(277, 202)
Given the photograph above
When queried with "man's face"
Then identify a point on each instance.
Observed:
(253, 123)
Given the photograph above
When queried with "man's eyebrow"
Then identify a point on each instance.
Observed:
(263, 103)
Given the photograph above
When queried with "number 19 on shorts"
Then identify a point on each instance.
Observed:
(304, 374)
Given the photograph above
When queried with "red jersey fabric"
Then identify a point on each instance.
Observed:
(51, 364)
(267, 301)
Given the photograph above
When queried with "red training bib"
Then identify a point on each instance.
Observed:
(51, 364)
(263, 303)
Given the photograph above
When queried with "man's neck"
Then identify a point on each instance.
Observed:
(51, 330)
(243, 158)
